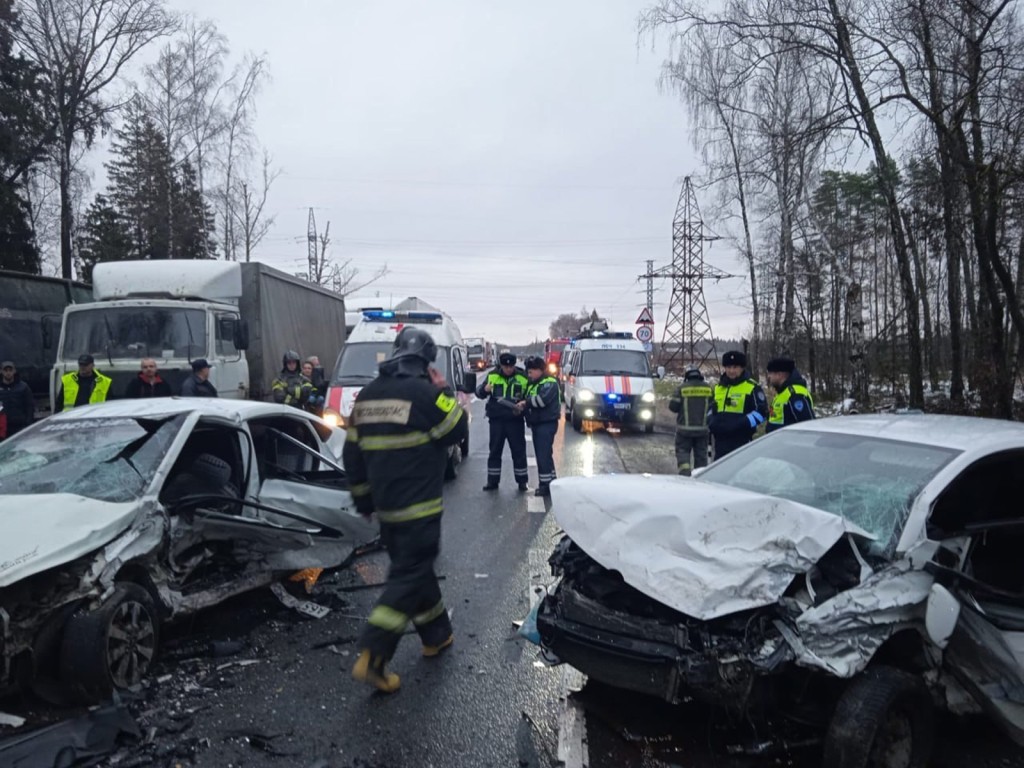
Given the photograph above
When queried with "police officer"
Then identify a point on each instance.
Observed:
(691, 404)
(739, 406)
(401, 428)
(793, 400)
(86, 387)
(543, 408)
(291, 387)
(504, 387)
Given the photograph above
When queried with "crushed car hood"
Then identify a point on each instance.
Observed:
(703, 549)
(41, 531)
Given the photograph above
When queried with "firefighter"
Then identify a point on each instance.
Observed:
(691, 404)
(291, 387)
(503, 388)
(86, 387)
(543, 408)
(739, 406)
(401, 428)
(793, 400)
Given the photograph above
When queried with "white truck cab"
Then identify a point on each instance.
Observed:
(607, 377)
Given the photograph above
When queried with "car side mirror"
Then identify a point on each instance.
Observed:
(661, 371)
(941, 615)
(241, 335)
(468, 383)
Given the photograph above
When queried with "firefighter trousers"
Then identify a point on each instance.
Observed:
(695, 443)
(412, 592)
(514, 432)
(543, 447)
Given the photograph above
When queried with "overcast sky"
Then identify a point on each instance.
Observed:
(507, 161)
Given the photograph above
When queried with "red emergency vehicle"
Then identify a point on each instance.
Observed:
(553, 349)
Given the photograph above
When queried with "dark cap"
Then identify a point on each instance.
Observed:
(7, 364)
(734, 357)
(535, 363)
(199, 364)
(781, 365)
(86, 360)
(507, 358)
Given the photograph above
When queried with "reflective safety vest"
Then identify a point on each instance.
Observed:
(531, 388)
(731, 399)
(777, 417)
(99, 392)
(512, 388)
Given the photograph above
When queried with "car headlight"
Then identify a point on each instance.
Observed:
(648, 397)
(585, 395)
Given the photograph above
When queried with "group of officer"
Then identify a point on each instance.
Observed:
(729, 414)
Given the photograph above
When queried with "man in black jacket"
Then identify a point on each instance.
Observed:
(198, 384)
(739, 406)
(503, 388)
(148, 383)
(543, 408)
(396, 449)
(16, 399)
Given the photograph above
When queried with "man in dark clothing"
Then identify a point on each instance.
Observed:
(504, 387)
(87, 387)
(793, 400)
(691, 404)
(315, 403)
(396, 448)
(543, 407)
(198, 384)
(16, 399)
(291, 387)
(148, 383)
(739, 406)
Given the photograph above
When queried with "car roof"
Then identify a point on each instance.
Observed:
(963, 433)
(169, 406)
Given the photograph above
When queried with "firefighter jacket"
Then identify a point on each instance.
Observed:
(793, 403)
(75, 391)
(692, 406)
(292, 388)
(506, 391)
(18, 403)
(397, 444)
(543, 401)
(739, 407)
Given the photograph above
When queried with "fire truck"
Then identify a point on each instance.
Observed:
(553, 349)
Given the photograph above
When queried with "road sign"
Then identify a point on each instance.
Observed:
(648, 347)
(644, 333)
(646, 318)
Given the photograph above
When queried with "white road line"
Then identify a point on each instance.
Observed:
(572, 724)
(531, 461)
(536, 505)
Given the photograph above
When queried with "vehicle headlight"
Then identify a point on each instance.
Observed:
(552, 368)
(648, 397)
(334, 419)
(585, 396)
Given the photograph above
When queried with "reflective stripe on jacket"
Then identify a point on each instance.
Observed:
(543, 401)
(691, 406)
(505, 391)
(793, 404)
(99, 391)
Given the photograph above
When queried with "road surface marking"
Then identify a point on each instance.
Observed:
(536, 505)
(572, 723)
(531, 461)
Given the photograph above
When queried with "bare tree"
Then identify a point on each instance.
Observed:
(251, 200)
(82, 46)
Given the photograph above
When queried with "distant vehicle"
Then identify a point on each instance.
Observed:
(240, 317)
(31, 307)
(372, 341)
(480, 353)
(553, 349)
(115, 518)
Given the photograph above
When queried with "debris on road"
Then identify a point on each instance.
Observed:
(93, 735)
(305, 607)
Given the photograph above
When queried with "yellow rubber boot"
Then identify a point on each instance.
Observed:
(371, 671)
(431, 651)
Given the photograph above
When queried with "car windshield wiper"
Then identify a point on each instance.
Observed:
(191, 340)
(110, 339)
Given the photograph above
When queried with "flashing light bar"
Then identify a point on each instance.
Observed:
(386, 315)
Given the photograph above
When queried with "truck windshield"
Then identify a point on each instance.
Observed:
(622, 362)
(358, 362)
(136, 332)
(475, 350)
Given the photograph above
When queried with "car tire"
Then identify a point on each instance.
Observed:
(884, 718)
(451, 468)
(112, 647)
(648, 429)
(577, 422)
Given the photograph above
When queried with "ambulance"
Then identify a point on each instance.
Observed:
(371, 342)
(607, 378)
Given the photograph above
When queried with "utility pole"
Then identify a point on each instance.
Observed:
(311, 239)
(650, 285)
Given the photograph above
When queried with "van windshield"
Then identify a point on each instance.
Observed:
(359, 361)
(619, 362)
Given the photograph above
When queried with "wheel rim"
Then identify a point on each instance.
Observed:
(894, 743)
(131, 644)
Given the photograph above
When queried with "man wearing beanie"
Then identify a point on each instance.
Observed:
(792, 401)
(739, 406)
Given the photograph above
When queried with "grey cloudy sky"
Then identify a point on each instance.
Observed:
(507, 161)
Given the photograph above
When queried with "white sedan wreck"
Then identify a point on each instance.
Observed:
(115, 518)
(843, 572)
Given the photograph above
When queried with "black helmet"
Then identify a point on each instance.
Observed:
(535, 363)
(290, 356)
(693, 374)
(413, 342)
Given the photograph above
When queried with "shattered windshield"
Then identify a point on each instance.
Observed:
(869, 481)
(136, 332)
(106, 459)
(358, 362)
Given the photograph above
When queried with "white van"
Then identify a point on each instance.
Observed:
(607, 377)
(371, 342)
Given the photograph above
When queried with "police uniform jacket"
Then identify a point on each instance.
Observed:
(506, 391)
(397, 444)
(739, 406)
(542, 401)
(793, 403)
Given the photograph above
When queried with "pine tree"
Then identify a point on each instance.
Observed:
(193, 218)
(107, 236)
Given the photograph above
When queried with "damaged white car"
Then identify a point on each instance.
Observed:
(115, 518)
(844, 573)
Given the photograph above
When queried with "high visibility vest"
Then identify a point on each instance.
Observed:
(70, 383)
(731, 399)
(512, 388)
(778, 416)
(532, 387)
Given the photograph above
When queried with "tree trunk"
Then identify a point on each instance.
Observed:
(67, 222)
(858, 357)
(926, 308)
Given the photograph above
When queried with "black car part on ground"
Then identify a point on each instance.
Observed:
(83, 741)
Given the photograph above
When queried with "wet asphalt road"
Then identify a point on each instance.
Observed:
(286, 699)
